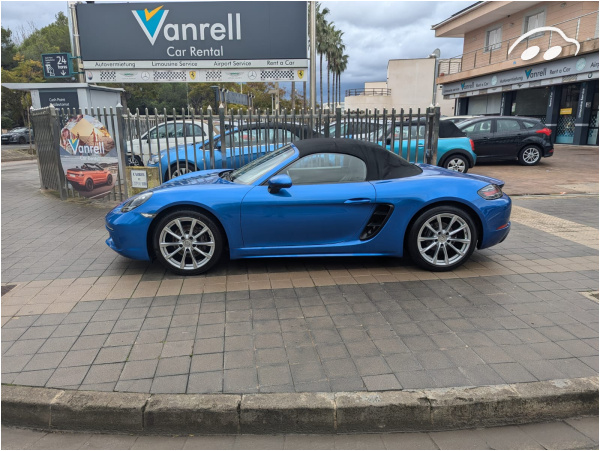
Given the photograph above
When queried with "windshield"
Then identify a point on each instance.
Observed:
(257, 168)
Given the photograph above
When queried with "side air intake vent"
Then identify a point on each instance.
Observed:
(377, 221)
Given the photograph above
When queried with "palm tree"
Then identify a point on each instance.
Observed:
(322, 30)
(334, 57)
(341, 67)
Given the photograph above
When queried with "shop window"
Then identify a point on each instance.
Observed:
(493, 39)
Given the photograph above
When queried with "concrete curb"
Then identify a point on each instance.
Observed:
(400, 411)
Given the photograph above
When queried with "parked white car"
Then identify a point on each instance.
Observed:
(164, 136)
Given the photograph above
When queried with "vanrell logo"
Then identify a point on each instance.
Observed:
(152, 23)
(529, 73)
(98, 150)
(464, 85)
(74, 144)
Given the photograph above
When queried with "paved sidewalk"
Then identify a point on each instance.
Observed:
(76, 315)
(578, 433)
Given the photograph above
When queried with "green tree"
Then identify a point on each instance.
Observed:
(9, 50)
(52, 38)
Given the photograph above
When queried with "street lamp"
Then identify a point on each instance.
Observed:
(435, 55)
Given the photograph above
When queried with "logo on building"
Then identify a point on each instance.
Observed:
(551, 53)
(193, 74)
(300, 74)
(151, 21)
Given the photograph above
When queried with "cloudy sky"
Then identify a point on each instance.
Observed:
(374, 31)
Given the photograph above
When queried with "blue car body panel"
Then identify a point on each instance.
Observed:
(310, 220)
(446, 147)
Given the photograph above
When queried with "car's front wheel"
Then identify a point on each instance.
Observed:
(22, 140)
(530, 155)
(187, 242)
(134, 160)
(442, 238)
(456, 163)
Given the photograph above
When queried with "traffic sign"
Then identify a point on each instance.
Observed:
(57, 65)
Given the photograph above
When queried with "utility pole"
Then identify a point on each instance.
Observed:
(74, 35)
(313, 56)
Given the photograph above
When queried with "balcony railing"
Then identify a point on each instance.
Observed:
(369, 92)
(498, 52)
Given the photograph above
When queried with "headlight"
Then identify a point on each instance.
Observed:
(136, 201)
(154, 159)
(490, 192)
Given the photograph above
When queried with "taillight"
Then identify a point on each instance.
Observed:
(472, 144)
(546, 131)
(490, 192)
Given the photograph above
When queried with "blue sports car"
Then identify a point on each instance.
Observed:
(315, 197)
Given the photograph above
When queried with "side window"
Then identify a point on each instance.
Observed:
(478, 127)
(323, 168)
(196, 130)
(529, 124)
(157, 131)
(507, 125)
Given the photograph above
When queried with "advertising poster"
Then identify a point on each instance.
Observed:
(89, 156)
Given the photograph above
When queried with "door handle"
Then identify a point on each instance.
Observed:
(358, 201)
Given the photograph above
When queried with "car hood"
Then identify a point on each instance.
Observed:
(429, 170)
(207, 177)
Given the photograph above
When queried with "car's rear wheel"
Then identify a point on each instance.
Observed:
(530, 155)
(182, 169)
(456, 163)
(109, 179)
(442, 238)
(187, 242)
(89, 184)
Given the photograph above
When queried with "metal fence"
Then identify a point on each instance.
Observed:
(187, 140)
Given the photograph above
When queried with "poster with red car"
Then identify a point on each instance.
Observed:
(88, 156)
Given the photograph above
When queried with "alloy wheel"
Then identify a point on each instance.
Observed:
(444, 239)
(531, 155)
(457, 164)
(187, 243)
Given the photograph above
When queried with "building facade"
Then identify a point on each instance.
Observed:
(409, 85)
(523, 58)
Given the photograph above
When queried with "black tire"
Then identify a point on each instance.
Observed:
(89, 184)
(530, 155)
(109, 179)
(22, 140)
(176, 172)
(456, 162)
(191, 222)
(134, 160)
(445, 241)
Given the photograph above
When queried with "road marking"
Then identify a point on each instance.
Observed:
(569, 230)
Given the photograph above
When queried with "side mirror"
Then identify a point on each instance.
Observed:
(278, 182)
(388, 141)
(218, 145)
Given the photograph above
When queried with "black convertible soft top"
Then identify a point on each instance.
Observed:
(381, 163)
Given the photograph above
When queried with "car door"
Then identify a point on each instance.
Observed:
(508, 137)
(329, 202)
(481, 132)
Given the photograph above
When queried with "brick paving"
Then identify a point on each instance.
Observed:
(82, 317)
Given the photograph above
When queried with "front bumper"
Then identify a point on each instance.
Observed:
(127, 233)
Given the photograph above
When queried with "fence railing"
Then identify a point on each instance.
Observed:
(184, 141)
(497, 52)
(369, 92)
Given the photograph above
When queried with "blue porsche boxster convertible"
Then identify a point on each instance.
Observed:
(316, 197)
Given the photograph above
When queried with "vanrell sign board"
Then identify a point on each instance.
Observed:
(583, 67)
(193, 41)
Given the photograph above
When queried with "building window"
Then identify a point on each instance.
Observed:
(533, 21)
(493, 39)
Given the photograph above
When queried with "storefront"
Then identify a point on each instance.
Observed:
(563, 94)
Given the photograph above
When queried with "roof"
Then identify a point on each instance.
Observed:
(459, 13)
(381, 163)
(44, 86)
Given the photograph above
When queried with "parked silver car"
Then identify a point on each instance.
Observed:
(18, 135)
